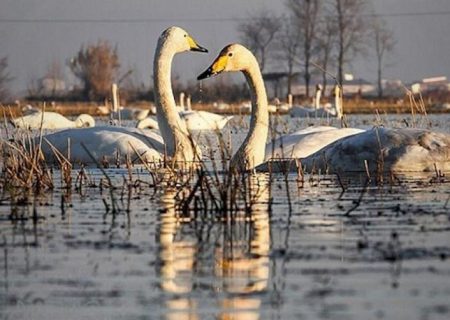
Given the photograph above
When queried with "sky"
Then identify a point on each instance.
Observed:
(34, 33)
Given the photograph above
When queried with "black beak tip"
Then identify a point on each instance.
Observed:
(205, 74)
(199, 49)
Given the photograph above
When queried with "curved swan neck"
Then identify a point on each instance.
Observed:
(173, 131)
(251, 152)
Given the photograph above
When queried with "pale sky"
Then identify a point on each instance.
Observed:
(32, 39)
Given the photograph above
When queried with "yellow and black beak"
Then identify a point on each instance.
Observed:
(217, 67)
(195, 46)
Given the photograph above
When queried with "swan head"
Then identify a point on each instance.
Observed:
(147, 123)
(234, 57)
(181, 39)
(84, 120)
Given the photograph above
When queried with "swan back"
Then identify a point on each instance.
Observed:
(105, 143)
(403, 150)
(48, 120)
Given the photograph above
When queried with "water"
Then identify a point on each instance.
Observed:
(379, 252)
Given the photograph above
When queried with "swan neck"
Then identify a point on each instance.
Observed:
(173, 131)
(252, 150)
(317, 100)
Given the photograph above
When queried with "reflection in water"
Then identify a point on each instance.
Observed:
(230, 257)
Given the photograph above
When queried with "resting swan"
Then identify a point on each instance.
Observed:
(193, 120)
(203, 120)
(52, 120)
(383, 150)
(108, 141)
(236, 57)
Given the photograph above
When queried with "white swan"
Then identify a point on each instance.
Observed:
(319, 111)
(193, 120)
(236, 57)
(391, 149)
(108, 141)
(177, 142)
(52, 120)
(382, 150)
(203, 120)
(148, 123)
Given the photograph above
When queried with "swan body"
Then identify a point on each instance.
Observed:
(305, 142)
(203, 120)
(193, 121)
(384, 150)
(105, 143)
(236, 57)
(52, 120)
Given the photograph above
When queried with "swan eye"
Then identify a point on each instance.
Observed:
(230, 54)
(185, 35)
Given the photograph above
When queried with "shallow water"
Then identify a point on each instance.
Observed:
(371, 252)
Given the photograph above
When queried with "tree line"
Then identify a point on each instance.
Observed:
(313, 36)
(318, 36)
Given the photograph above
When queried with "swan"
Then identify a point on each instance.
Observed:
(176, 137)
(193, 120)
(107, 141)
(380, 150)
(148, 123)
(236, 57)
(318, 111)
(200, 120)
(203, 120)
(52, 120)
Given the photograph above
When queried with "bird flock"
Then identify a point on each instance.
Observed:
(324, 148)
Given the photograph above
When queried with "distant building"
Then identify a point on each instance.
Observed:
(432, 84)
(351, 86)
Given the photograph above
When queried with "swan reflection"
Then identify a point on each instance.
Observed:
(224, 260)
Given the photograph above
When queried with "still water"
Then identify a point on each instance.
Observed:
(303, 249)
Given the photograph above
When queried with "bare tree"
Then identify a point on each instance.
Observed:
(305, 14)
(96, 66)
(288, 45)
(54, 77)
(384, 43)
(258, 32)
(352, 27)
(5, 78)
(326, 44)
